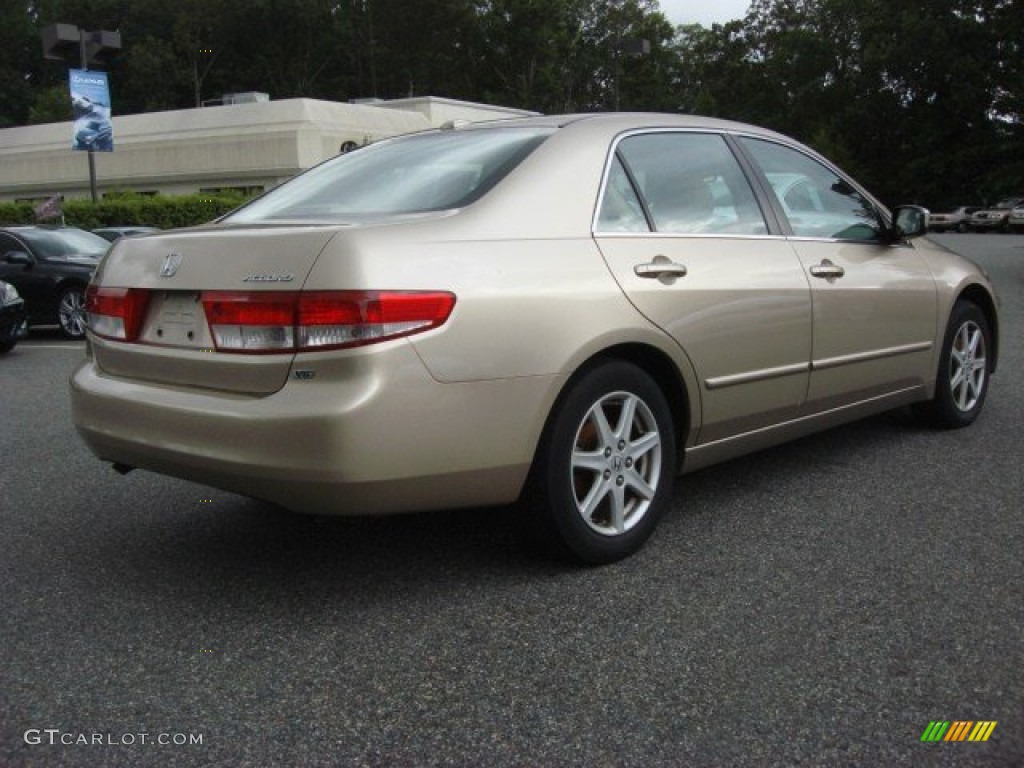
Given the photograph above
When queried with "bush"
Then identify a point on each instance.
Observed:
(132, 209)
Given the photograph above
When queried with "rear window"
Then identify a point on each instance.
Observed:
(413, 174)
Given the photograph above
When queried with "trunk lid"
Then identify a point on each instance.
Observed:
(175, 345)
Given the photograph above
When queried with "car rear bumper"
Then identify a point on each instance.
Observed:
(371, 433)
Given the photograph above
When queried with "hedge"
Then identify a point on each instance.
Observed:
(127, 210)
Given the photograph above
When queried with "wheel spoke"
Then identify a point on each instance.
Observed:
(963, 338)
(625, 425)
(973, 340)
(961, 398)
(604, 429)
(644, 445)
(594, 498)
(958, 378)
(976, 382)
(590, 461)
(617, 497)
(635, 481)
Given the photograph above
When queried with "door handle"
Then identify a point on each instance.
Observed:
(827, 270)
(660, 266)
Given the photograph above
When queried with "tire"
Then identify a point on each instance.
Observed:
(605, 468)
(962, 228)
(961, 383)
(6, 346)
(71, 312)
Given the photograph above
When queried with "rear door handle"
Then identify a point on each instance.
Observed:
(827, 270)
(660, 266)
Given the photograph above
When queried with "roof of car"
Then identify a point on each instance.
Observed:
(602, 126)
(43, 227)
(628, 121)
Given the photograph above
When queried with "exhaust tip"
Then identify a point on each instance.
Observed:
(122, 469)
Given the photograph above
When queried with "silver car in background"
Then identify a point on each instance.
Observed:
(956, 220)
(1016, 219)
(996, 218)
(566, 311)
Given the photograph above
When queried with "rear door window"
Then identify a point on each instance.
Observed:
(685, 183)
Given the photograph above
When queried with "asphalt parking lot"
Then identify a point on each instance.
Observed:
(817, 604)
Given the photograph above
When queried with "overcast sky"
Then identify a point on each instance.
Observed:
(706, 12)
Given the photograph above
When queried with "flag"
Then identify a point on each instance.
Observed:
(49, 209)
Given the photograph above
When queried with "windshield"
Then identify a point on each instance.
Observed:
(413, 174)
(61, 243)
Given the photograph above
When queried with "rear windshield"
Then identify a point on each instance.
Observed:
(413, 174)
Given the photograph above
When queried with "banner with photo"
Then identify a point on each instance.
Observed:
(90, 102)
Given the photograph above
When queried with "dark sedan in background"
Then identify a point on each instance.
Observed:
(50, 267)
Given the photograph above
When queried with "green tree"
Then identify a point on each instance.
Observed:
(907, 94)
(19, 59)
(50, 105)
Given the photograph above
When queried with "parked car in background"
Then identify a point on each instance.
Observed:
(13, 325)
(565, 310)
(50, 267)
(957, 220)
(115, 233)
(996, 218)
(1016, 219)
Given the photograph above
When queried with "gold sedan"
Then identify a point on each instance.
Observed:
(567, 311)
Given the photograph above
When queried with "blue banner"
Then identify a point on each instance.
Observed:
(90, 102)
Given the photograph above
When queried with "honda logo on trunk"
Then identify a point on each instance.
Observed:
(171, 263)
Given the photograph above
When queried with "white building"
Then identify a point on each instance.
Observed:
(249, 146)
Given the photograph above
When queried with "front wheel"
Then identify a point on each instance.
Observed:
(71, 312)
(963, 376)
(606, 464)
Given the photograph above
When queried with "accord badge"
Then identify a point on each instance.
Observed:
(268, 278)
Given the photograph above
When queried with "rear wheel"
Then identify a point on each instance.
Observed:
(71, 312)
(607, 463)
(962, 380)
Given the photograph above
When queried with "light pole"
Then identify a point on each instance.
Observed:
(197, 79)
(58, 40)
(628, 46)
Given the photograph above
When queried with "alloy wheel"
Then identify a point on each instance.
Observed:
(616, 463)
(71, 313)
(967, 366)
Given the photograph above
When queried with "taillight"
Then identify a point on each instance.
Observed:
(251, 322)
(115, 313)
(268, 321)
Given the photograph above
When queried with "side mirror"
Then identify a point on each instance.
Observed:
(908, 221)
(18, 257)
